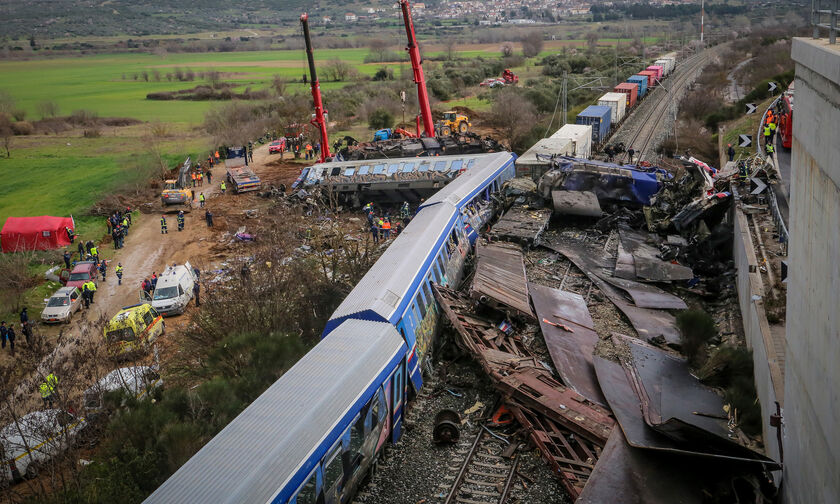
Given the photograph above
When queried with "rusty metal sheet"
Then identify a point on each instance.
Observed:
(624, 402)
(500, 278)
(521, 225)
(571, 352)
(648, 323)
(677, 405)
(583, 203)
(649, 477)
(646, 295)
(647, 265)
(536, 389)
(570, 457)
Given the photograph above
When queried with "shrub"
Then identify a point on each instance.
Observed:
(380, 118)
(696, 327)
(22, 128)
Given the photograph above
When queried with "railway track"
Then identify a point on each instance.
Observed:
(648, 126)
(484, 476)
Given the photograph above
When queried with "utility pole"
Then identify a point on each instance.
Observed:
(565, 111)
(702, 18)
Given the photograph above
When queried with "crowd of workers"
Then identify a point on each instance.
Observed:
(383, 226)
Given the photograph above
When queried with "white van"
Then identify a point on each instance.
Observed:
(32, 441)
(174, 289)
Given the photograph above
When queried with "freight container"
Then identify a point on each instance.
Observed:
(673, 57)
(536, 160)
(651, 75)
(631, 92)
(617, 102)
(598, 117)
(580, 138)
(659, 69)
(667, 64)
(641, 81)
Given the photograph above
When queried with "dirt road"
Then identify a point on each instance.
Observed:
(146, 250)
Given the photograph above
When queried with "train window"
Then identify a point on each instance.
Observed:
(422, 306)
(380, 168)
(357, 439)
(349, 172)
(307, 494)
(394, 168)
(427, 289)
(407, 167)
(440, 264)
(456, 165)
(440, 166)
(454, 236)
(336, 171)
(424, 167)
(470, 163)
(364, 169)
(333, 469)
(417, 316)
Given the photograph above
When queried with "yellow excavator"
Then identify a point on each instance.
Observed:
(177, 192)
(453, 122)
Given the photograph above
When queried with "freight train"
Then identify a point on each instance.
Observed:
(614, 106)
(316, 432)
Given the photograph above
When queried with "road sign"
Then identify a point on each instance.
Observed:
(773, 86)
(745, 140)
(751, 108)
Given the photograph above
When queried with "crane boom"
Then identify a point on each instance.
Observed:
(319, 120)
(416, 65)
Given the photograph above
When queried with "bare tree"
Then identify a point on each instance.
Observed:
(591, 42)
(6, 133)
(338, 70)
(506, 49)
(279, 85)
(236, 123)
(513, 114)
(449, 44)
(532, 44)
(48, 108)
(378, 48)
(7, 103)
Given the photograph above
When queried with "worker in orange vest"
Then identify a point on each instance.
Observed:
(192, 176)
(308, 151)
(386, 228)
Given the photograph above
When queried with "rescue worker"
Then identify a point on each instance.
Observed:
(81, 251)
(196, 293)
(126, 223)
(386, 227)
(201, 200)
(95, 253)
(208, 216)
(730, 151)
(3, 332)
(86, 295)
(10, 335)
(92, 289)
(381, 225)
(772, 130)
(70, 235)
(217, 156)
(108, 225)
(405, 211)
(103, 267)
(180, 220)
(630, 153)
(192, 176)
(766, 134)
(128, 215)
(200, 177)
(223, 187)
(115, 235)
(768, 149)
(163, 224)
(374, 231)
(67, 259)
(209, 176)
(119, 272)
(48, 389)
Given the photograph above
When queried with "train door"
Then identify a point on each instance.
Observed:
(398, 395)
(333, 475)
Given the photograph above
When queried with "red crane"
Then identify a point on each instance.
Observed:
(416, 65)
(318, 121)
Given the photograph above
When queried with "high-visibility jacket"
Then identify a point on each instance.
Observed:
(767, 130)
(45, 390)
(223, 186)
(772, 126)
(217, 154)
(768, 148)
(201, 197)
(92, 286)
(386, 225)
(125, 222)
(93, 251)
(162, 222)
(119, 270)
(52, 382)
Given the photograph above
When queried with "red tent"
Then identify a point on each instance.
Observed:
(35, 233)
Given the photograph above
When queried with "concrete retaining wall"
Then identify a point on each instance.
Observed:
(768, 376)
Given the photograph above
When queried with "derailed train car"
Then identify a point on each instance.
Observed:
(314, 434)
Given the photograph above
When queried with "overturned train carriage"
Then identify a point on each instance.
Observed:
(314, 434)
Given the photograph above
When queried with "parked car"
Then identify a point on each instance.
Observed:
(174, 289)
(31, 442)
(62, 305)
(133, 329)
(81, 273)
(277, 146)
(137, 381)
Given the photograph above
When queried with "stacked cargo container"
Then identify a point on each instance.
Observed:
(598, 117)
(534, 163)
(617, 102)
(667, 64)
(659, 69)
(641, 81)
(631, 92)
(580, 138)
(651, 76)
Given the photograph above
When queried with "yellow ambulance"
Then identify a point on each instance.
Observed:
(133, 329)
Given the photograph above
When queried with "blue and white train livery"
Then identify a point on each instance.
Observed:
(313, 435)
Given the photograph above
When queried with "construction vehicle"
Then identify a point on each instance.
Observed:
(177, 191)
(509, 77)
(417, 67)
(318, 119)
(453, 122)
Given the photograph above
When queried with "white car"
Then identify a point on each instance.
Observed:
(136, 380)
(61, 305)
(32, 441)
